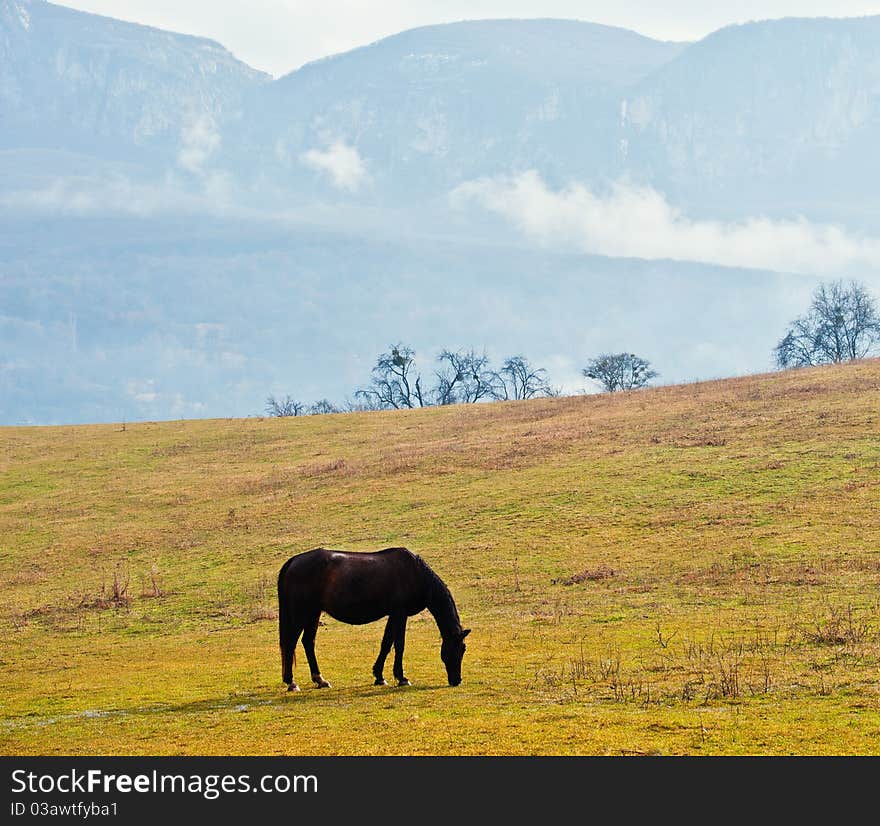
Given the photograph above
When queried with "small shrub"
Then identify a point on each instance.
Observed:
(587, 575)
(840, 627)
(112, 595)
(151, 584)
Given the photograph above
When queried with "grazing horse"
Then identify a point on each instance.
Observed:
(358, 588)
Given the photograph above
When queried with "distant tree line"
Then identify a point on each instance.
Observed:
(460, 377)
(290, 407)
(842, 323)
(464, 377)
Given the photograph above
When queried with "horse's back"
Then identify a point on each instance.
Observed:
(304, 561)
(320, 557)
(354, 586)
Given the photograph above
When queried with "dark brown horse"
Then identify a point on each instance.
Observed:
(358, 588)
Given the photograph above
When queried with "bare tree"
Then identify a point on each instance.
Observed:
(619, 371)
(395, 382)
(359, 404)
(323, 406)
(464, 377)
(284, 407)
(517, 379)
(842, 324)
(797, 348)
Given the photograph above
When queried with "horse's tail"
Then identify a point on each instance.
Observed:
(285, 628)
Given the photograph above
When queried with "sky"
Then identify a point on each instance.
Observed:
(279, 36)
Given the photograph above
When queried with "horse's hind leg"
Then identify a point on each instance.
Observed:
(289, 628)
(288, 657)
(387, 639)
(309, 634)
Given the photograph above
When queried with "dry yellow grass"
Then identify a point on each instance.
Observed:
(689, 569)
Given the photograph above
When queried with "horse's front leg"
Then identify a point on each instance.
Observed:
(309, 634)
(387, 639)
(399, 640)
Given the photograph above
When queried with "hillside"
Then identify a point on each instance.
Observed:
(689, 569)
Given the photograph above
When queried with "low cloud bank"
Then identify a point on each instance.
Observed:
(638, 222)
(116, 194)
(198, 141)
(341, 162)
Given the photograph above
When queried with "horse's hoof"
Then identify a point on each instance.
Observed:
(404, 681)
(322, 684)
(380, 681)
(293, 687)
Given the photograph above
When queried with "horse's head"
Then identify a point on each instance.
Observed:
(451, 652)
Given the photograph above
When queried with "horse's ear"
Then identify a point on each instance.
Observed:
(465, 632)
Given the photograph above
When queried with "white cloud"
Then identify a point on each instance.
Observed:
(341, 162)
(232, 359)
(638, 222)
(84, 195)
(564, 372)
(142, 390)
(198, 141)
(214, 193)
(206, 331)
(182, 407)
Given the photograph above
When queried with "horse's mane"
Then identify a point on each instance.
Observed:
(440, 600)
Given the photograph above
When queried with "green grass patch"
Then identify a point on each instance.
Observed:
(685, 570)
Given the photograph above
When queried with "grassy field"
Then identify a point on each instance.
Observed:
(690, 569)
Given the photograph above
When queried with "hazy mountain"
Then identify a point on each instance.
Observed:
(83, 83)
(780, 116)
(181, 235)
(435, 106)
(776, 115)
